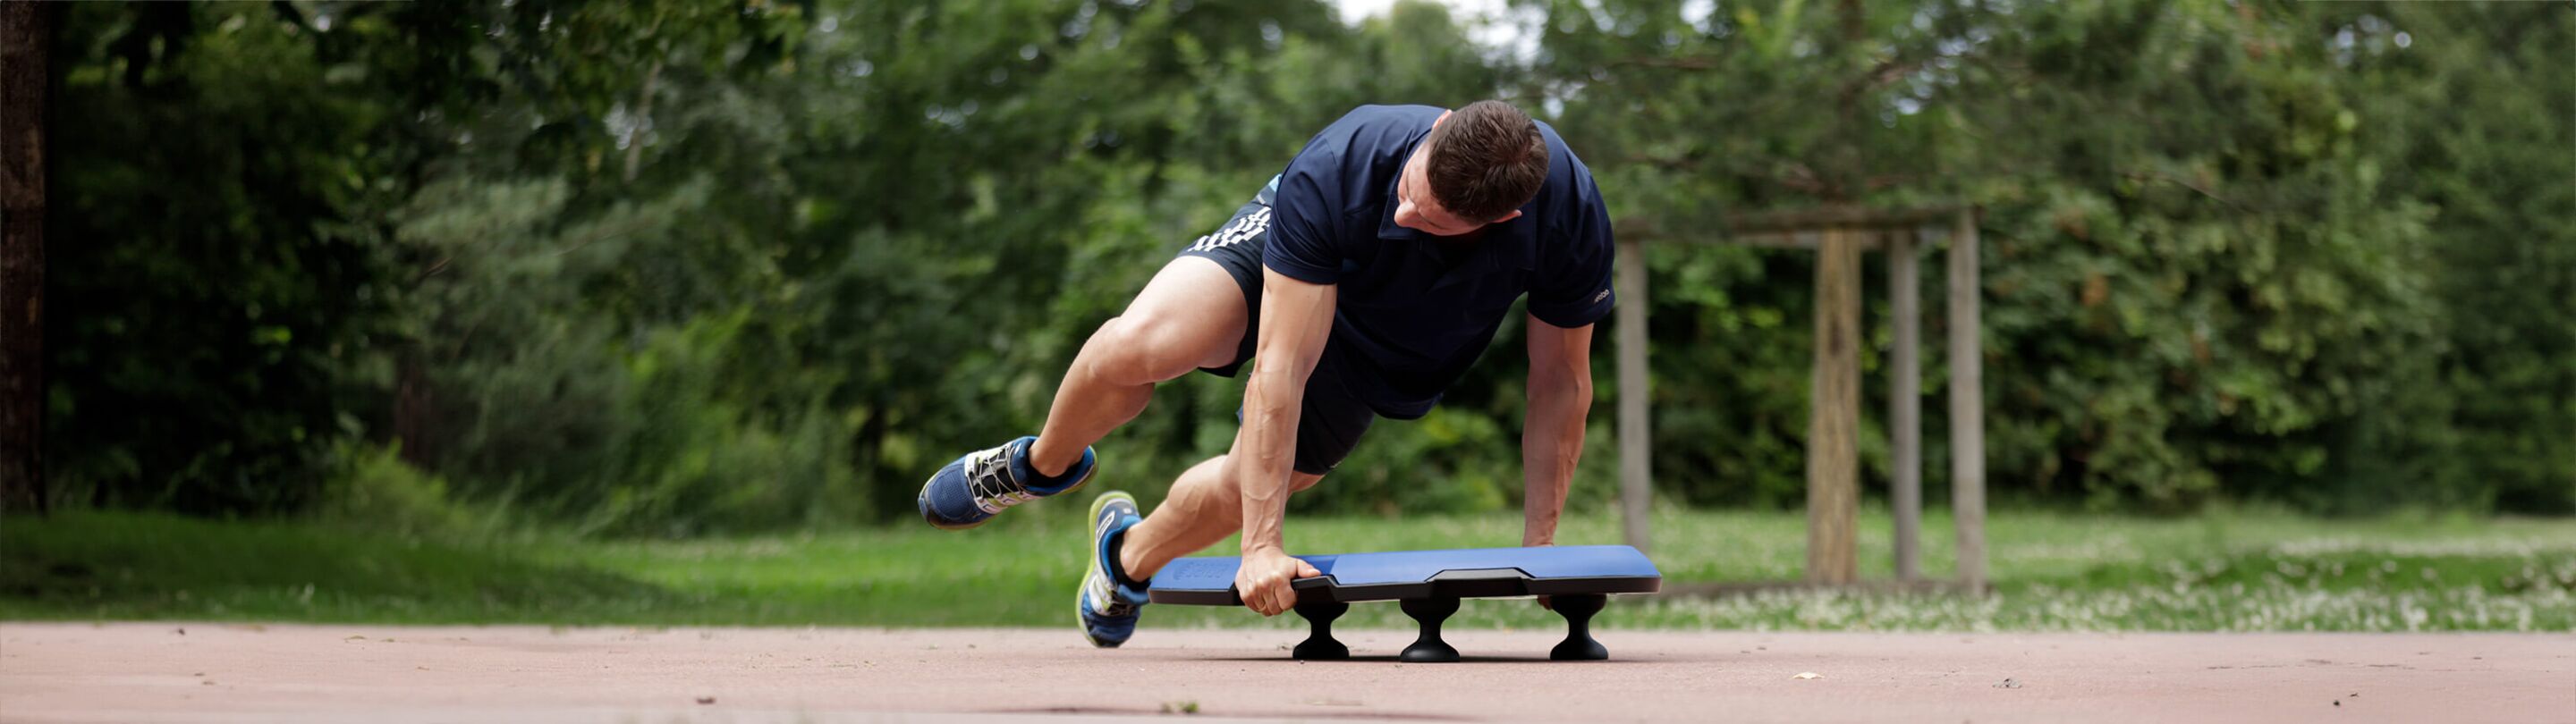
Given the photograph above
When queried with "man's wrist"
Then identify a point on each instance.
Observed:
(1538, 534)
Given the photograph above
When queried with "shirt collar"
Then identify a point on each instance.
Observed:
(1509, 245)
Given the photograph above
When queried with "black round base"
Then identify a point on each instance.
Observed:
(1578, 644)
(1319, 644)
(1429, 652)
(1428, 648)
(1321, 650)
(1584, 650)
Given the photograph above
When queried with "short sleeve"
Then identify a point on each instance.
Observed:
(1303, 241)
(1574, 288)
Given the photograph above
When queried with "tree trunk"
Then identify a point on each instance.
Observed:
(26, 39)
(415, 412)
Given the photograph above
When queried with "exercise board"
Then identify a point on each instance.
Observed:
(1397, 575)
(1578, 580)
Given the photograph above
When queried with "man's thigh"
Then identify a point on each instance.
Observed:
(1192, 305)
(1235, 249)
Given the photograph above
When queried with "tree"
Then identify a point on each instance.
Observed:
(235, 168)
(26, 79)
(2197, 285)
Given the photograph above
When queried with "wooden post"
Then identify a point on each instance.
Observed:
(1967, 407)
(1635, 489)
(26, 38)
(1833, 432)
(1905, 403)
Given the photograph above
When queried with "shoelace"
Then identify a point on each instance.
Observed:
(991, 483)
(1111, 605)
(1104, 593)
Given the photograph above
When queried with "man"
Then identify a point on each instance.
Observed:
(1361, 283)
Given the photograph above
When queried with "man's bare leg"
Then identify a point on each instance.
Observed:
(1190, 316)
(1203, 508)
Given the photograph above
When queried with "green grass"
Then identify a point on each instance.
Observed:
(2228, 571)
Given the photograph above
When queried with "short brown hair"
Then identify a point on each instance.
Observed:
(1486, 160)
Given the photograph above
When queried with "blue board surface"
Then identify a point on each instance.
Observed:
(1471, 572)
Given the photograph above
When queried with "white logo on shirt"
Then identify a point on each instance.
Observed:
(1605, 294)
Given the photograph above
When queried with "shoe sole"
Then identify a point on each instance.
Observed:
(1093, 540)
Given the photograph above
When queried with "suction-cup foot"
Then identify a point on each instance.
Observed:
(1428, 648)
(1578, 644)
(1319, 644)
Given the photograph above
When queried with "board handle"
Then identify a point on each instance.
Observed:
(1318, 583)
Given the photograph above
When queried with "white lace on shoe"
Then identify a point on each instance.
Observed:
(988, 477)
(1105, 600)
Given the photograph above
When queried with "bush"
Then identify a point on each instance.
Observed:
(379, 493)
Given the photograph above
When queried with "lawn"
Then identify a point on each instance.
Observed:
(2052, 571)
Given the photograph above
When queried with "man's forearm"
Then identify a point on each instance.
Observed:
(1261, 466)
(1551, 444)
(1297, 315)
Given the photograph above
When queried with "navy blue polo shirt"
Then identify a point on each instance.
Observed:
(1415, 310)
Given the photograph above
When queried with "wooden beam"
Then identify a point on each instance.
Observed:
(1833, 432)
(1847, 218)
(1905, 404)
(1784, 228)
(1636, 488)
(1967, 406)
(1834, 422)
(1768, 239)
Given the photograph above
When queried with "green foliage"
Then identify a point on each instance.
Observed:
(2241, 290)
(96, 564)
(672, 267)
(2233, 571)
(536, 402)
(382, 494)
(217, 257)
(2202, 278)
(2467, 114)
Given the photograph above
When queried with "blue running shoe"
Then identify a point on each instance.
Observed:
(1106, 608)
(978, 486)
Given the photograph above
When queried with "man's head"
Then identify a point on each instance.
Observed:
(1478, 166)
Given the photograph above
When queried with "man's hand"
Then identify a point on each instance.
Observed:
(1540, 531)
(1263, 580)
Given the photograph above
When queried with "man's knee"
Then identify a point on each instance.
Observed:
(1146, 347)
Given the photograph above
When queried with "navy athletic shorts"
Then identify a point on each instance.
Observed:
(1331, 421)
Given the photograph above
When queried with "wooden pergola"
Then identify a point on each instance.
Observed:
(1839, 235)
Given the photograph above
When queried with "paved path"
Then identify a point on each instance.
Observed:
(243, 673)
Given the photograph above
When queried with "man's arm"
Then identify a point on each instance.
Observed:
(1296, 317)
(1560, 395)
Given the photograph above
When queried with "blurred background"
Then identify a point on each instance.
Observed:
(669, 306)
